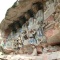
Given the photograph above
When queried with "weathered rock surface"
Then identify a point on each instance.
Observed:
(15, 11)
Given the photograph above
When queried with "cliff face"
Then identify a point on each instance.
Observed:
(15, 11)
